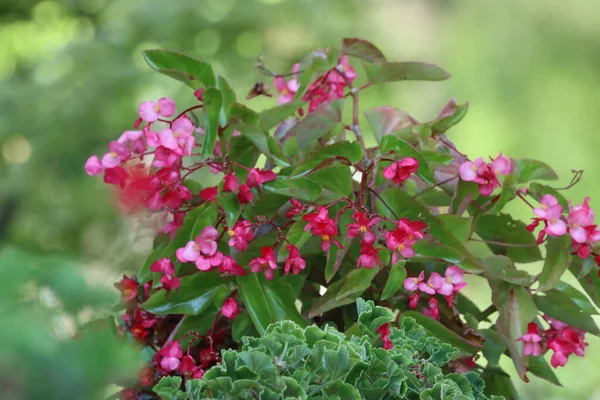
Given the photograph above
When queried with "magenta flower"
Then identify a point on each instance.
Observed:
(400, 171)
(245, 195)
(179, 136)
(433, 311)
(207, 240)
(163, 266)
(229, 266)
(286, 89)
(189, 253)
(294, 262)
(169, 282)
(151, 112)
(453, 281)
(257, 177)
(230, 308)
(403, 237)
(486, 175)
(116, 176)
(362, 226)
(580, 216)
(531, 340)
(412, 284)
(93, 166)
(241, 234)
(551, 212)
(171, 356)
(118, 152)
(369, 256)
(230, 182)
(268, 262)
(208, 263)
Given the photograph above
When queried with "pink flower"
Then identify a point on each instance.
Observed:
(169, 282)
(179, 136)
(245, 195)
(470, 171)
(433, 284)
(453, 281)
(164, 266)
(207, 240)
(229, 266)
(128, 288)
(230, 183)
(412, 284)
(287, 90)
(118, 152)
(189, 253)
(433, 311)
(150, 111)
(486, 175)
(209, 194)
(93, 166)
(294, 262)
(257, 177)
(362, 226)
(551, 212)
(164, 157)
(403, 237)
(501, 165)
(241, 234)
(268, 262)
(297, 208)
(209, 262)
(116, 176)
(400, 171)
(531, 340)
(564, 341)
(413, 300)
(345, 68)
(172, 226)
(171, 356)
(230, 308)
(580, 216)
(369, 256)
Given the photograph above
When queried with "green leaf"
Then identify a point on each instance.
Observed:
(395, 280)
(502, 267)
(298, 188)
(349, 150)
(465, 193)
(296, 236)
(493, 347)
(535, 170)
(498, 383)
(194, 296)
(343, 291)
(273, 116)
(540, 368)
(404, 205)
(231, 205)
(213, 100)
(168, 388)
(228, 99)
(559, 305)
(509, 192)
(335, 256)
(337, 180)
(589, 282)
(503, 228)
(558, 253)
(460, 227)
(387, 120)
(256, 135)
(194, 73)
(145, 274)
(267, 301)
(516, 309)
(241, 326)
(404, 71)
(579, 298)
(403, 149)
(240, 114)
(444, 334)
(317, 124)
(336, 362)
(362, 49)
(257, 362)
(457, 113)
(424, 248)
(537, 191)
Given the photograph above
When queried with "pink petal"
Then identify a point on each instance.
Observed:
(168, 140)
(548, 200)
(203, 264)
(445, 288)
(423, 287)
(191, 252)
(152, 139)
(170, 363)
(110, 160)
(411, 284)
(557, 228)
(407, 252)
(390, 172)
(183, 126)
(467, 171)
(93, 166)
(455, 274)
(280, 84)
(166, 106)
(147, 111)
(578, 234)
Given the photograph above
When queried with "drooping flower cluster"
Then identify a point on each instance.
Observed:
(167, 269)
(447, 286)
(320, 224)
(562, 339)
(486, 174)
(401, 239)
(401, 170)
(135, 320)
(330, 86)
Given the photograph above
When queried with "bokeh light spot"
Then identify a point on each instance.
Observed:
(16, 150)
(249, 44)
(207, 42)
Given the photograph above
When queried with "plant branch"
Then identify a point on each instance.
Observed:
(174, 331)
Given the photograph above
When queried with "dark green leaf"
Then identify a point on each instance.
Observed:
(231, 205)
(267, 301)
(493, 347)
(460, 227)
(509, 192)
(403, 149)
(589, 282)
(317, 124)
(579, 298)
(362, 49)
(297, 188)
(181, 67)
(395, 280)
(195, 295)
(273, 116)
(404, 71)
(444, 334)
(502, 267)
(540, 368)
(559, 305)
(213, 101)
(465, 193)
(535, 170)
(504, 229)
(456, 114)
(557, 260)
(336, 180)
(350, 150)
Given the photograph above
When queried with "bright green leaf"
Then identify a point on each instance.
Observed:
(395, 280)
(213, 101)
(193, 72)
(535, 170)
(558, 253)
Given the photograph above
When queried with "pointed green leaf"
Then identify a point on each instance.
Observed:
(404, 71)
(579, 298)
(559, 305)
(454, 114)
(230, 204)
(193, 72)
(503, 228)
(395, 280)
(387, 120)
(297, 188)
(317, 124)
(460, 227)
(272, 117)
(558, 254)
(535, 170)
(349, 150)
(540, 368)
(213, 101)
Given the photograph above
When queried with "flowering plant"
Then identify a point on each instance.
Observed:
(308, 216)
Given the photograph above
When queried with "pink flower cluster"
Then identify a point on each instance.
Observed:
(167, 269)
(401, 239)
(171, 359)
(384, 335)
(320, 224)
(327, 87)
(447, 286)
(267, 262)
(401, 170)
(579, 223)
(230, 308)
(486, 174)
(561, 338)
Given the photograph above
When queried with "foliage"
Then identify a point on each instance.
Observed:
(289, 362)
(300, 206)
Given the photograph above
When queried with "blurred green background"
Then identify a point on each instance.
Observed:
(72, 75)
